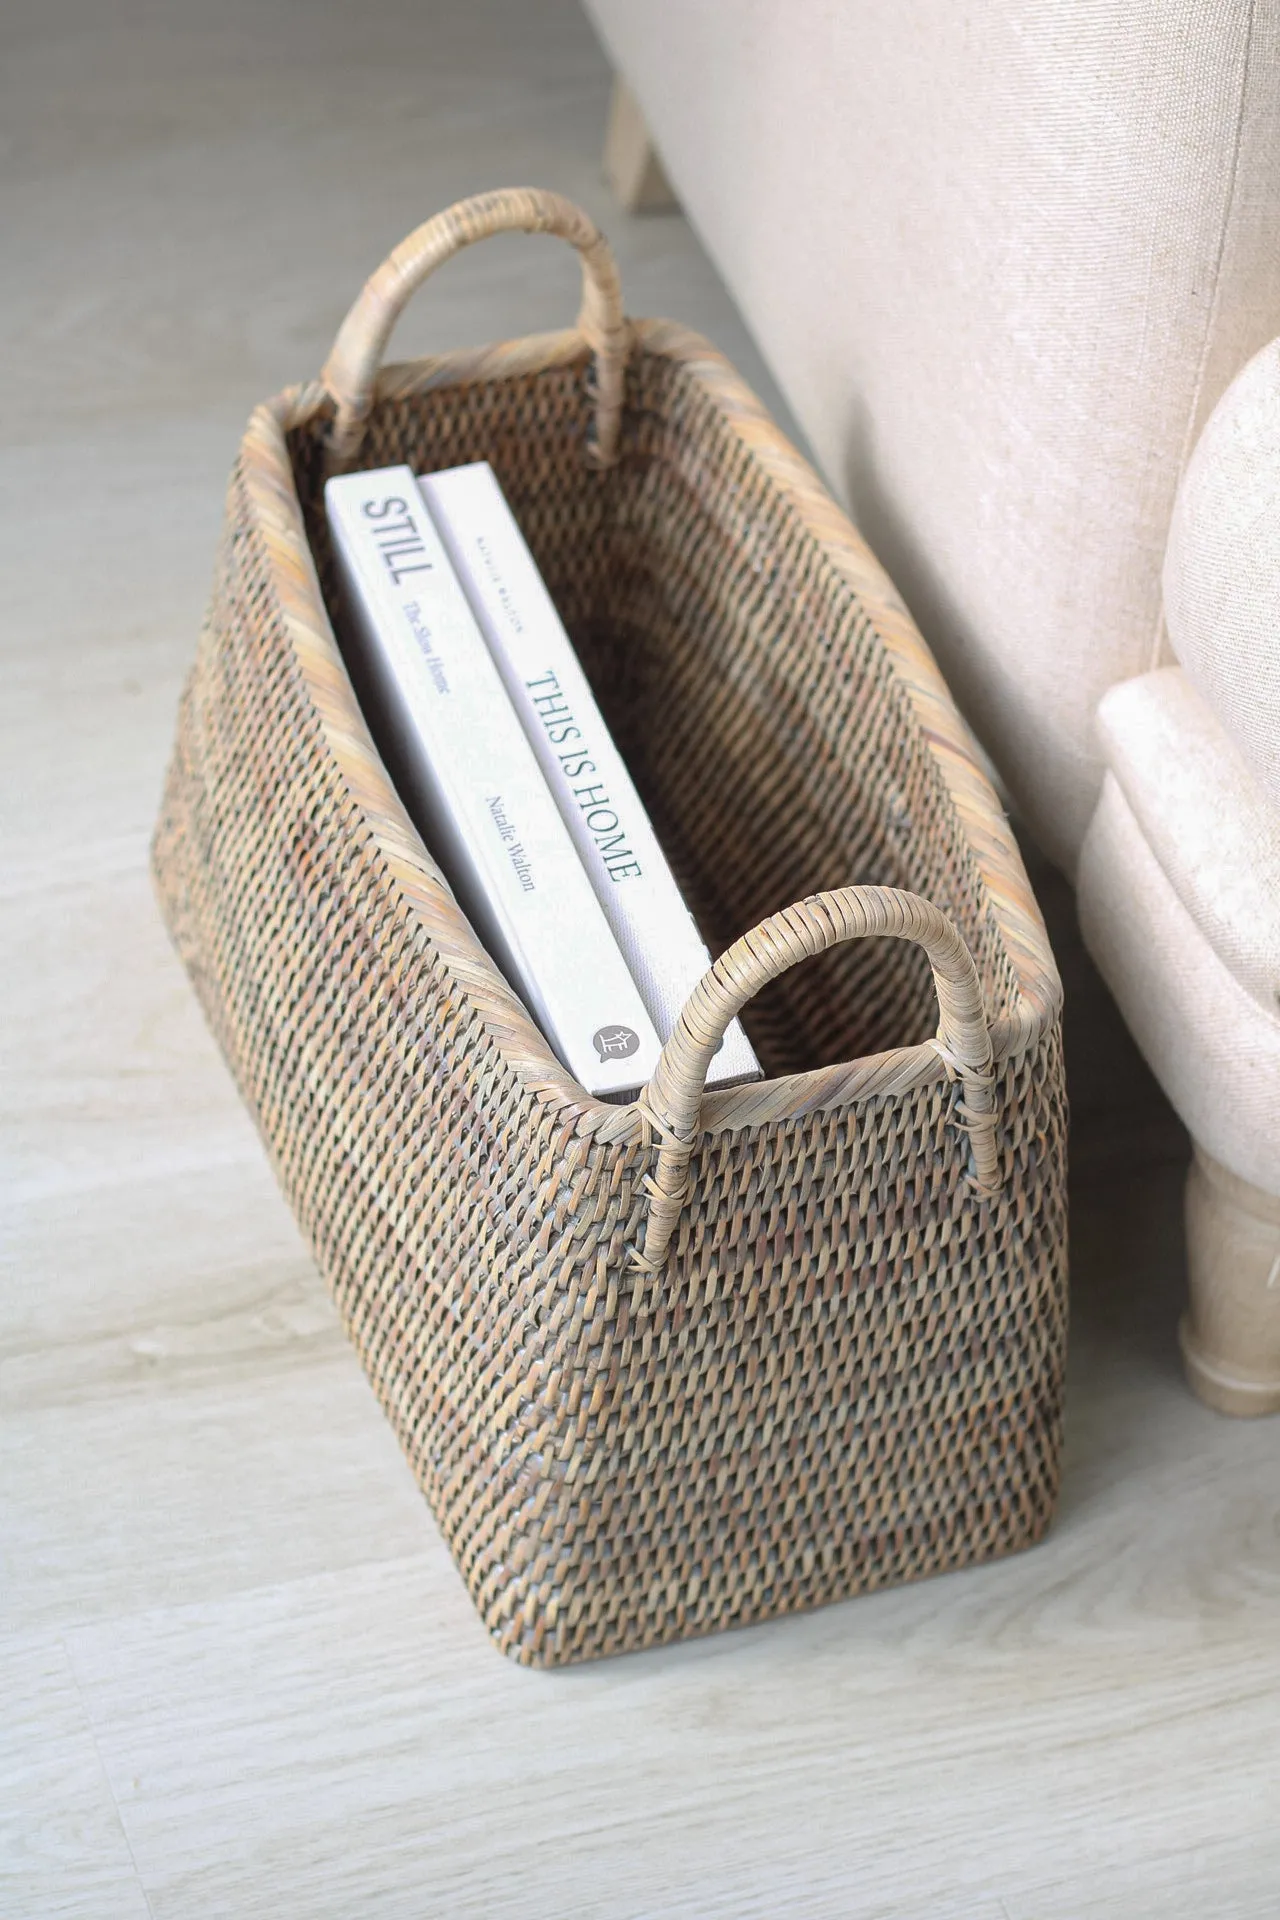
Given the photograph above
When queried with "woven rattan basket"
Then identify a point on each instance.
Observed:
(676, 1365)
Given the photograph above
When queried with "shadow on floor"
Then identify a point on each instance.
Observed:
(1129, 1155)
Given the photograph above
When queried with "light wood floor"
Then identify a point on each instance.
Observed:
(238, 1674)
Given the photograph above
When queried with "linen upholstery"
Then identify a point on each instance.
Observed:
(1212, 1045)
(1207, 820)
(1222, 569)
(1003, 258)
(1180, 875)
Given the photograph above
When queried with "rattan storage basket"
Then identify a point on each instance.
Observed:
(676, 1365)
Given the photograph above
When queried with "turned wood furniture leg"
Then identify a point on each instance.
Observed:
(1231, 1330)
(631, 162)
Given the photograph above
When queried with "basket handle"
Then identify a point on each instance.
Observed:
(672, 1099)
(352, 366)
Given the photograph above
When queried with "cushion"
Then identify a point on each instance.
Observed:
(1214, 1049)
(1208, 820)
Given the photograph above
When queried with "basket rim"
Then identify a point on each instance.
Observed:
(267, 475)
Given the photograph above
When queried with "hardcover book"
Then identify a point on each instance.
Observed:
(584, 770)
(473, 786)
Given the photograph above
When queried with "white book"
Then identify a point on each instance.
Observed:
(586, 773)
(474, 787)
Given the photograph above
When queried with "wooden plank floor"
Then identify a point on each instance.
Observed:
(238, 1674)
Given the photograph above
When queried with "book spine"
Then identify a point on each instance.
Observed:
(473, 785)
(584, 770)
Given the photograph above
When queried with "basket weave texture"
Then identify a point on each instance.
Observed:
(694, 1361)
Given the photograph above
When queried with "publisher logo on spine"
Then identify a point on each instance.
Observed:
(615, 1043)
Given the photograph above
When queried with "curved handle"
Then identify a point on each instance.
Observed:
(674, 1095)
(352, 367)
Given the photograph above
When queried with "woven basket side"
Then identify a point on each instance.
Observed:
(443, 1198)
(777, 742)
(849, 1375)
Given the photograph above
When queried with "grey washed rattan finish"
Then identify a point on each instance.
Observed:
(671, 1366)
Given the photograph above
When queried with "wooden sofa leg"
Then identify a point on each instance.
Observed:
(1231, 1330)
(631, 162)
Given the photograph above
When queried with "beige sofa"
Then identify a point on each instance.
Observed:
(1004, 261)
